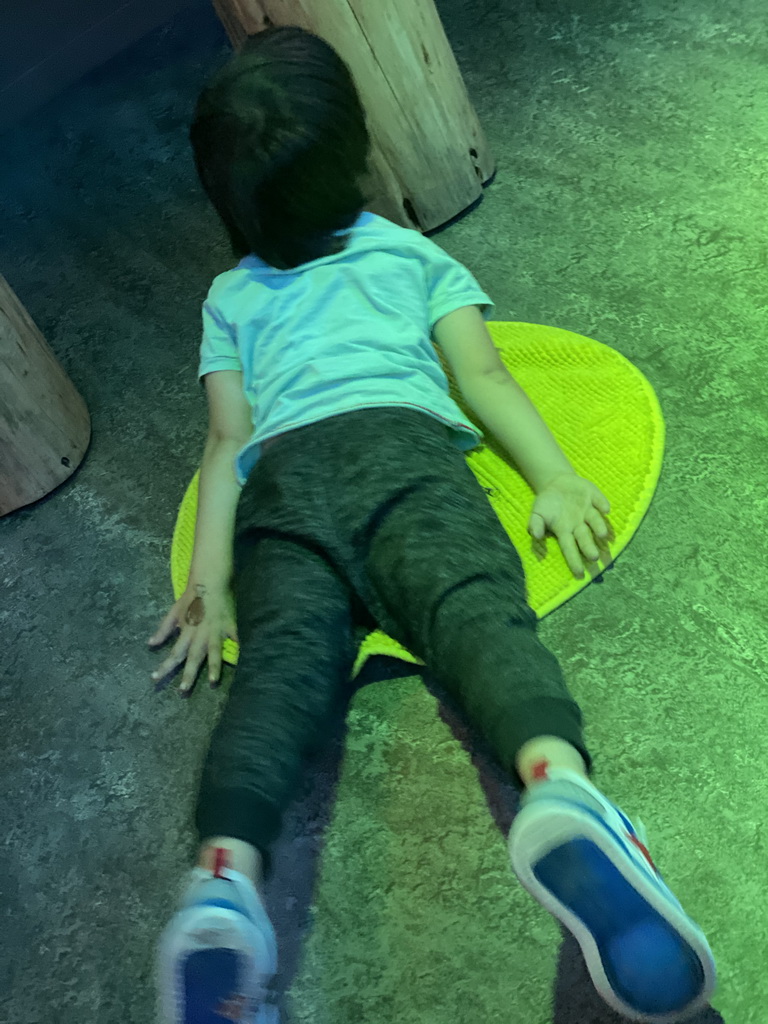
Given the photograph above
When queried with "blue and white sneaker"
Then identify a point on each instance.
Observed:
(217, 958)
(583, 860)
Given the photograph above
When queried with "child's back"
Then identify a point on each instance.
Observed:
(344, 332)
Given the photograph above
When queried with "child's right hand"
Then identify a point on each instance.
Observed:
(195, 642)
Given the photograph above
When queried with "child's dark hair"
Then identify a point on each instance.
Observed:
(281, 142)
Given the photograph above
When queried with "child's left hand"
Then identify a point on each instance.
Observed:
(570, 507)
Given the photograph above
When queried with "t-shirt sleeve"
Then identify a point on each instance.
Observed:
(450, 286)
(218, 350)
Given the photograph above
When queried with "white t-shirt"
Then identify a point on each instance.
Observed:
(345, 332)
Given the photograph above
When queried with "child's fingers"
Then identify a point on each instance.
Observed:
(177, 655)
(195, 659)
(165, 628)
(214, 662)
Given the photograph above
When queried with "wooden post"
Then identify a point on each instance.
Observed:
(45, 427)
(429, 157)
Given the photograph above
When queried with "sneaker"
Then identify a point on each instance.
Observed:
(217, 958)
(584, 861)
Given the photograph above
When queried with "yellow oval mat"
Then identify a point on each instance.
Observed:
(605, 416)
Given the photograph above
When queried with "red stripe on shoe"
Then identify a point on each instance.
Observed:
(642, 849)
(222, 861)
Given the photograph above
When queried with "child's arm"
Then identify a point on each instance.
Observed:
(229, 427)
(502, 405)
(496, 398)
(218, 495)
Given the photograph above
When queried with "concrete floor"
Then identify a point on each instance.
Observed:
(629, 206)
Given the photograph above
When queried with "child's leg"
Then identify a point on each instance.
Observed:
(297, 648)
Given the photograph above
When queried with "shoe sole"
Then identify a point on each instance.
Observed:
(544, 838)
(212, 947)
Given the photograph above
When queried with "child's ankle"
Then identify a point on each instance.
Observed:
(537, 757)
(237, 855)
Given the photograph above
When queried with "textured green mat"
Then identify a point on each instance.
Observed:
(604, 414)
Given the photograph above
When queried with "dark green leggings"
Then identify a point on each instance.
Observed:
(368, 519)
